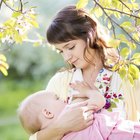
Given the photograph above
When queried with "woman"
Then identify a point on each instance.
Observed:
(78, 38)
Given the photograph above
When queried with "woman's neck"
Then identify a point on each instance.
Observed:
(90, 74)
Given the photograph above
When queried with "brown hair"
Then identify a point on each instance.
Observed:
(71, 23)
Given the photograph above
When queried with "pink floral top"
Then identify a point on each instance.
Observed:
(103, 83)
(108, 83)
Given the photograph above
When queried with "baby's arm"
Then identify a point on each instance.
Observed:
(94, 97)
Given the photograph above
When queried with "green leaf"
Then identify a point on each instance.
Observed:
(2, 57)
(134, 71)
(116, 100)
(17, 37)
(16, 14)
(136, 62)
(109, 109)
(106, 3)
(136, 55)
(130, 78)
(113, 105)
(136, 59)
(4, 64)
(114, 43)
(137, 22)
(126, 23)
(132, 45)
(81, 4)
(98, 12)
(136, 36)
(33, 16)
(128, 26)
(125, 52)
(1, 35)
(109, 25)
(115, 67)
(3, 70)
(117, 15)
(34, 23)
(122, 71)
(122, 37)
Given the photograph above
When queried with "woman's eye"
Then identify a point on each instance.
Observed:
(71, 48)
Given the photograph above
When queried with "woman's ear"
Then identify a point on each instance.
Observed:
(47, 114)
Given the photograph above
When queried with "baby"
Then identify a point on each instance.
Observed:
(38, 111)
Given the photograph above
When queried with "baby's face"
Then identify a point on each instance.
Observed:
(53, 104)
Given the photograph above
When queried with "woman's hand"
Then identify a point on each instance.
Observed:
(75, 117)
(82, 89)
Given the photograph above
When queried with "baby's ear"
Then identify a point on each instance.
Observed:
(47, 114)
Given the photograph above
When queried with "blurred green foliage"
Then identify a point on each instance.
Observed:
(12, 93)
(13, 132)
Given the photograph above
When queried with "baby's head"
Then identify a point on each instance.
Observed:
(38, 110)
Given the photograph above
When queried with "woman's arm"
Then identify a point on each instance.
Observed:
(52, 132)
(70, 120)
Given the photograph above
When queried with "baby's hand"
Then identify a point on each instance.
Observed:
(95, 98)
(82, 87)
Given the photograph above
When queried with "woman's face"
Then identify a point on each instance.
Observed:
(73, 53)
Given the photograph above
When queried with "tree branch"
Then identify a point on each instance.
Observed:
(137, 10)
(21, 6)
(125, 5)
(1, 4)
(10, 7)
(116, 10)
(116, 23)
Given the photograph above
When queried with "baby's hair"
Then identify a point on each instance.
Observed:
(28, 112)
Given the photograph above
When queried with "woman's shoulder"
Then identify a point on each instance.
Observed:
(62, 73)
(61, 77)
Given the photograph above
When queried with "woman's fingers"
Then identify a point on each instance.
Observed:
(88, 108)
(88, 114)
(79, 104)
(79, 116)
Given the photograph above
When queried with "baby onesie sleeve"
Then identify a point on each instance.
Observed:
(33, 137)
(59, 84)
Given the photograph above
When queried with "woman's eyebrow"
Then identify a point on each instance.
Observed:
(65, 45)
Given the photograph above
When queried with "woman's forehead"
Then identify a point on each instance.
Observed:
(66, 44)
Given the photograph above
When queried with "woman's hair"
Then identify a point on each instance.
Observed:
(71, 23)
